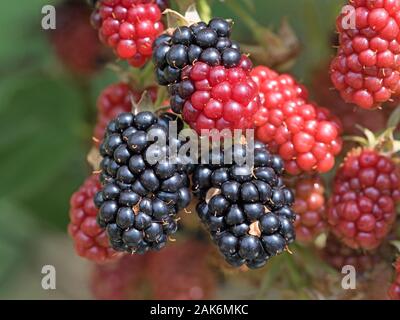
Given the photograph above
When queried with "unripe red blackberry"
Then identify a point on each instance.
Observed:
(365, 193)
(307, 137)
(366, 70)
(73, 29)
(309, 207)
(113, 100)
(375, 120)
(394, 289)
(218, 97)
(90, 241)
(182, 272)
(339, 255)
(129, 27)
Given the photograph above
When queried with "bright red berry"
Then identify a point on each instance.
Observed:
(394, 289)
(223, 98)
(309, 207)
(73, 28)
(362, 206)
(129, 27)
(113, 100)
(349, 115)
(90, 241)
(366, 70)
(339, 255)
(306, 136)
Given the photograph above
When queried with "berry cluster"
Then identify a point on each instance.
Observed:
(339, 255)
(366, 70)
(248, 212)
(73, 27)
(309, 206)
(207, 77)
(307, 137)
(129, 27)
(178, 272)
(189, 44)
(90, 240)
(113, 100)
(143, 187)
(394, 290)
(362, 207)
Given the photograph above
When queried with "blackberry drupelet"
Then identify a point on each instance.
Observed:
(141, 196)
(248, 212)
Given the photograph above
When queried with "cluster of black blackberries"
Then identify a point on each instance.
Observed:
(144, 186)
(247, 210)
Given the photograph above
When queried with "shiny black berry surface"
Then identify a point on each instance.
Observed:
(141, 195)
(247, 209)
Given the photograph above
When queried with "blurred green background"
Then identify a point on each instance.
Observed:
(46, 119)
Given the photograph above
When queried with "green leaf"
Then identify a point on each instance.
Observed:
(394, 118)
(16, 231)
(23, 40)
(40, 125)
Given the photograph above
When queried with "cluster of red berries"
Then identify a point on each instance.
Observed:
(90, 240)
(339, 255)
(394, 290)
(73, 26)
(214, 86)
(113, 100)
(220, 98)
(177, 272)
(363, 204)
(129, 27)
(366, 70)
(307, 137)
(309, 207)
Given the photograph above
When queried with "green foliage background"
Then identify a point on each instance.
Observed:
(46, 115)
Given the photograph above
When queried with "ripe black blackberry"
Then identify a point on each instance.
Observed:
(247, 211)
(141, 196)
(209, 43)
